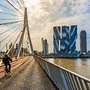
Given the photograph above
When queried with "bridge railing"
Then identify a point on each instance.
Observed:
(63, 78)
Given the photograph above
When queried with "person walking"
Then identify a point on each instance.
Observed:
(6, 60)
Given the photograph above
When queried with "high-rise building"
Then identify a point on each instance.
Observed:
(44, 47)
(68, 40)
(65, 32)
(56, 39)
(65, 40)
(83, 42)
(73, 37)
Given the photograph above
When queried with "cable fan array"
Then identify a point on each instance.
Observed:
(11, 23)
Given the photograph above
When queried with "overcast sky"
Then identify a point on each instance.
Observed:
(43, 15)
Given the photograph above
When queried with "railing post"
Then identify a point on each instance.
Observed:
(63, 78)
(64, 81)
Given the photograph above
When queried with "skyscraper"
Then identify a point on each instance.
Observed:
(68, 41)
(73, 37)
(65, 40)
(56, 39)
(44, 47)
(83, 42)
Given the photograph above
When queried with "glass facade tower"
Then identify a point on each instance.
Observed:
(65, 40)
(56, 39)
(83, 42)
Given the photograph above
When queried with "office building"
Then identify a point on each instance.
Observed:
(56, 39)
(83, 42)
(44, 47)
(65, 40)
(73, 37)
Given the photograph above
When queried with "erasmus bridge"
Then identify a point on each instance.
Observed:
(29, 71)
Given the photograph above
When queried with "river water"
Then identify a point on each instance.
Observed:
(79, 66)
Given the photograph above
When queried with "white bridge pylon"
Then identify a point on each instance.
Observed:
(25, 27)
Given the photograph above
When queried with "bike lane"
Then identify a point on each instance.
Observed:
(14, 65)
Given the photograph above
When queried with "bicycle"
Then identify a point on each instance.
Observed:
(7, 72)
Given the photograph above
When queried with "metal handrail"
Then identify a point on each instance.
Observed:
(64, 78)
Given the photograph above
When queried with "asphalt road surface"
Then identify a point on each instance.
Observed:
(28, 76)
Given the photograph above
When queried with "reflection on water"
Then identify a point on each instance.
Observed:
(80, 66)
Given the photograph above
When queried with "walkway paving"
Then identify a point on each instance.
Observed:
(29, 76)
(14, 66)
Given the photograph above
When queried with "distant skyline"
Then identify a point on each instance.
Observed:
(47, 14)
(43, 15)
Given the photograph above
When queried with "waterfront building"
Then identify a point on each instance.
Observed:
(64, 40)
(56, 39)
(42, 46)
(68, 40)
(45, 47)
(83, 42)
(73, 37)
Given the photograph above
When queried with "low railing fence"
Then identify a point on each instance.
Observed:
(63, 78)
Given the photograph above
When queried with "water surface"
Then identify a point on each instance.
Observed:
(79, 66)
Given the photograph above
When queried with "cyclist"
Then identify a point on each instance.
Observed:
(6, 60)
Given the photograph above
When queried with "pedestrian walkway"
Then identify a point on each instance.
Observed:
(14, 66)
(29, 76)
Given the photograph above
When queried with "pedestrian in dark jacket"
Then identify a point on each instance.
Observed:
(6, 60)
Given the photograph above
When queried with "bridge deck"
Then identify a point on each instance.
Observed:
(29, 76)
